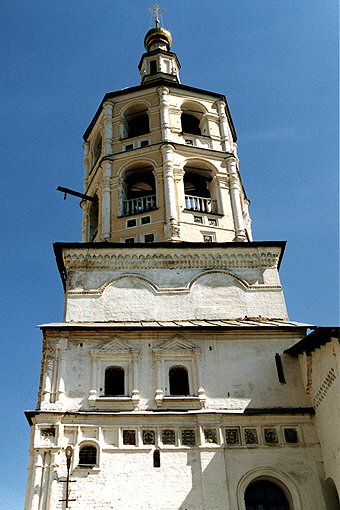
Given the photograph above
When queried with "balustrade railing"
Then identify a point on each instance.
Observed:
(201, 204)
(139, 205)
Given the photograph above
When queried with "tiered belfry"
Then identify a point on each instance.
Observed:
(172, 382)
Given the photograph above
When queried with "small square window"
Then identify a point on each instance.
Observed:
(129, 147)
(270, 436)
(210, 436)
(207, 238)
(189, 142)
(188, 437)
(168, 436)
(148, 437)
(144, 143)
(149, 238)
(129, 437)
(129, 240)
(232, 436)
(250, 436)
(291, 435)
(48, 432)
(212, 222)
(198, 219)
(145, 220)
(131, 223)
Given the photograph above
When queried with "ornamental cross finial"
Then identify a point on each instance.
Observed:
(156, 11)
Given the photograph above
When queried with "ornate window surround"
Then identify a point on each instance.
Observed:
(178, 352)
(114, 353)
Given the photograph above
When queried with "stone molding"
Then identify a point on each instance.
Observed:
(115, 259)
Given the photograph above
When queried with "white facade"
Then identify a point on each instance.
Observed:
(174, 377)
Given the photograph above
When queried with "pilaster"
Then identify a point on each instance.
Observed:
(235, 196)
(108, 129)
(171, 229)
(106, 201)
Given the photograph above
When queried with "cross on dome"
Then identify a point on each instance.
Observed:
(156, 10)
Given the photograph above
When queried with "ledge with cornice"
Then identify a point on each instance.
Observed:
(185, 255)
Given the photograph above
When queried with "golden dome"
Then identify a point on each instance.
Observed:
(157, 34)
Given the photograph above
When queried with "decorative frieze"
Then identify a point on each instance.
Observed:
(209, 259)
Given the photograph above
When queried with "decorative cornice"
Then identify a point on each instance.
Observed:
(109, 259)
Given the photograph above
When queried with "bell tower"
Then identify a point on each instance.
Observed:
(160, 160)
(167, 384)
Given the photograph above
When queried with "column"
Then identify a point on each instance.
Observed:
(108, 129)
(170, 201)
(235, 196)
(223, 126)
(106, 201)
(164, 112)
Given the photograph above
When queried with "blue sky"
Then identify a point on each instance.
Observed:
(276, 62)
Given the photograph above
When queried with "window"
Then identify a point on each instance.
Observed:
(145, 220)
(114, 382)
(149, 238)
(212, 222)
(131, 223)
(97, 149)
(129, 437)
(144, 143)
(87, 456)
(168, 436)
(190, 124)
(265, 495)
(129, 240)
(179, 381)
(207, 238)
(198, 189)
(198, 219)
(138, 190)
(156, 459)
(129, 147)
(137, 123)
(188, 437)
(153, 66)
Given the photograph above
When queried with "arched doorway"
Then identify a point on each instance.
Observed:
(265, 495)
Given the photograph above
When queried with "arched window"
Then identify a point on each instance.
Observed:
(178, 381)
(114, 382)
(197, 184)
(193, 119)
(190, 124)
(93, 219)
(87, 455)
(97, 150)
(139, 191)
(135, 122)
(265, 495)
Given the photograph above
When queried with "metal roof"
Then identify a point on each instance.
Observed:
(246, 323)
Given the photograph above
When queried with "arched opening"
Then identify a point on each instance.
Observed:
(114, 382)
(87, 455)
(93, 219)
(193, 121)
(197, 184)
(190, 124)
(97, 150)
(135, 122)
(179, 381)
(265, 495)
(139, 191)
